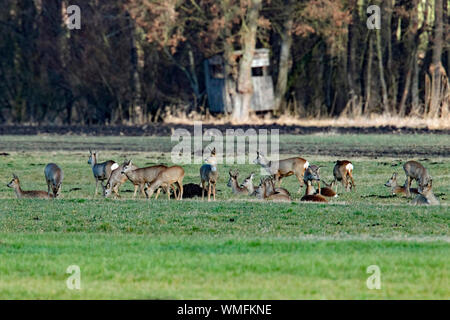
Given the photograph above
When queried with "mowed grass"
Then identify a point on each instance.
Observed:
(234, 248)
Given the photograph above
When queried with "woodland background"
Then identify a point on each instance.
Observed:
(136, 61)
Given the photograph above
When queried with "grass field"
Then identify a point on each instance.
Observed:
(234, 248)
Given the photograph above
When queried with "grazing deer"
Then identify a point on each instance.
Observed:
(15, 184)
(266, 190)
(426, 195)
(142, 176)
(209, 174)
(102, 171)
(395, 188)
(311, 195)
(165, 179)
(283, 168)
(328, 191)
(54, 177)
(116, 179)
(415, 171)
(234, 184)
(343, 171)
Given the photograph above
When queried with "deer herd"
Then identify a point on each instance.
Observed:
(170, 179)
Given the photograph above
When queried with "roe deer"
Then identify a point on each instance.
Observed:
(426, 195)
(141, 176)
(415, 171)
(165, 179)
(116, 179)
(312, 173)
(102, 171)
(395, 188)
(328, 191)
(248, 183)
(266, 190)
(310, 194)
(284, 168)
(209, 174)
(15, 184)
(343, 171)
(234, 184)
(54, 177)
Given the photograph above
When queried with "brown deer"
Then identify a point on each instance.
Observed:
(116, 179)
(343, 171)
(312, 173)
(266, 191)
(311, 195)
(54, 177)
(234, 184)
(102, 171)
(284, 168)
(15, 184)
(248, 183)
(397, 189)
(426, 195)
(209, 174)
(415, 171)
(166, 178)
(327, 191)
(142, 176)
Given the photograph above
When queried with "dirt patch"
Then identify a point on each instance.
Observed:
(167, 129)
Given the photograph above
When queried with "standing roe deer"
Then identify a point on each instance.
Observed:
(54, 177)
(209, 174)
(284, 168)
(397, 189)
(426, 195)
(234, 184)
(15, 184)
(415, 171)
(311, 195)
(312, 173)
(142, 176)
(165, 179)
(116, 179)
(343, 171)
(102, 171)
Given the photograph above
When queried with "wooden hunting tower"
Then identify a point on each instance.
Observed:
(218, 95)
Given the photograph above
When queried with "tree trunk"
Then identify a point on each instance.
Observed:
(381, 70)
(283, 69)
(242, 99)
(435, 67)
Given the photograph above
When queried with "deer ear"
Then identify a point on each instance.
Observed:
(14, 176)
(213, 152)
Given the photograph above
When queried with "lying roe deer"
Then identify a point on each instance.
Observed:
(426, 195)
(209, 174)
(116, 179)
(328, 191)
(343, 171)
(311, 195)
(266, 190)
(141, 176)
(15, 184)
(395, 188)
(248, 183)
(234, 184)
(415, 171)
(166, 178)
(102, 171)
(284, 168)
(54, 177)
(312, 173)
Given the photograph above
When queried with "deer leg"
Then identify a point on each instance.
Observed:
(353, 181)
(407, 186)
(300, 180)
(214, 190)
(180, 189)
(135, 190)
(142, 188)
(209, 191)
(203, 189)
(96, 188)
